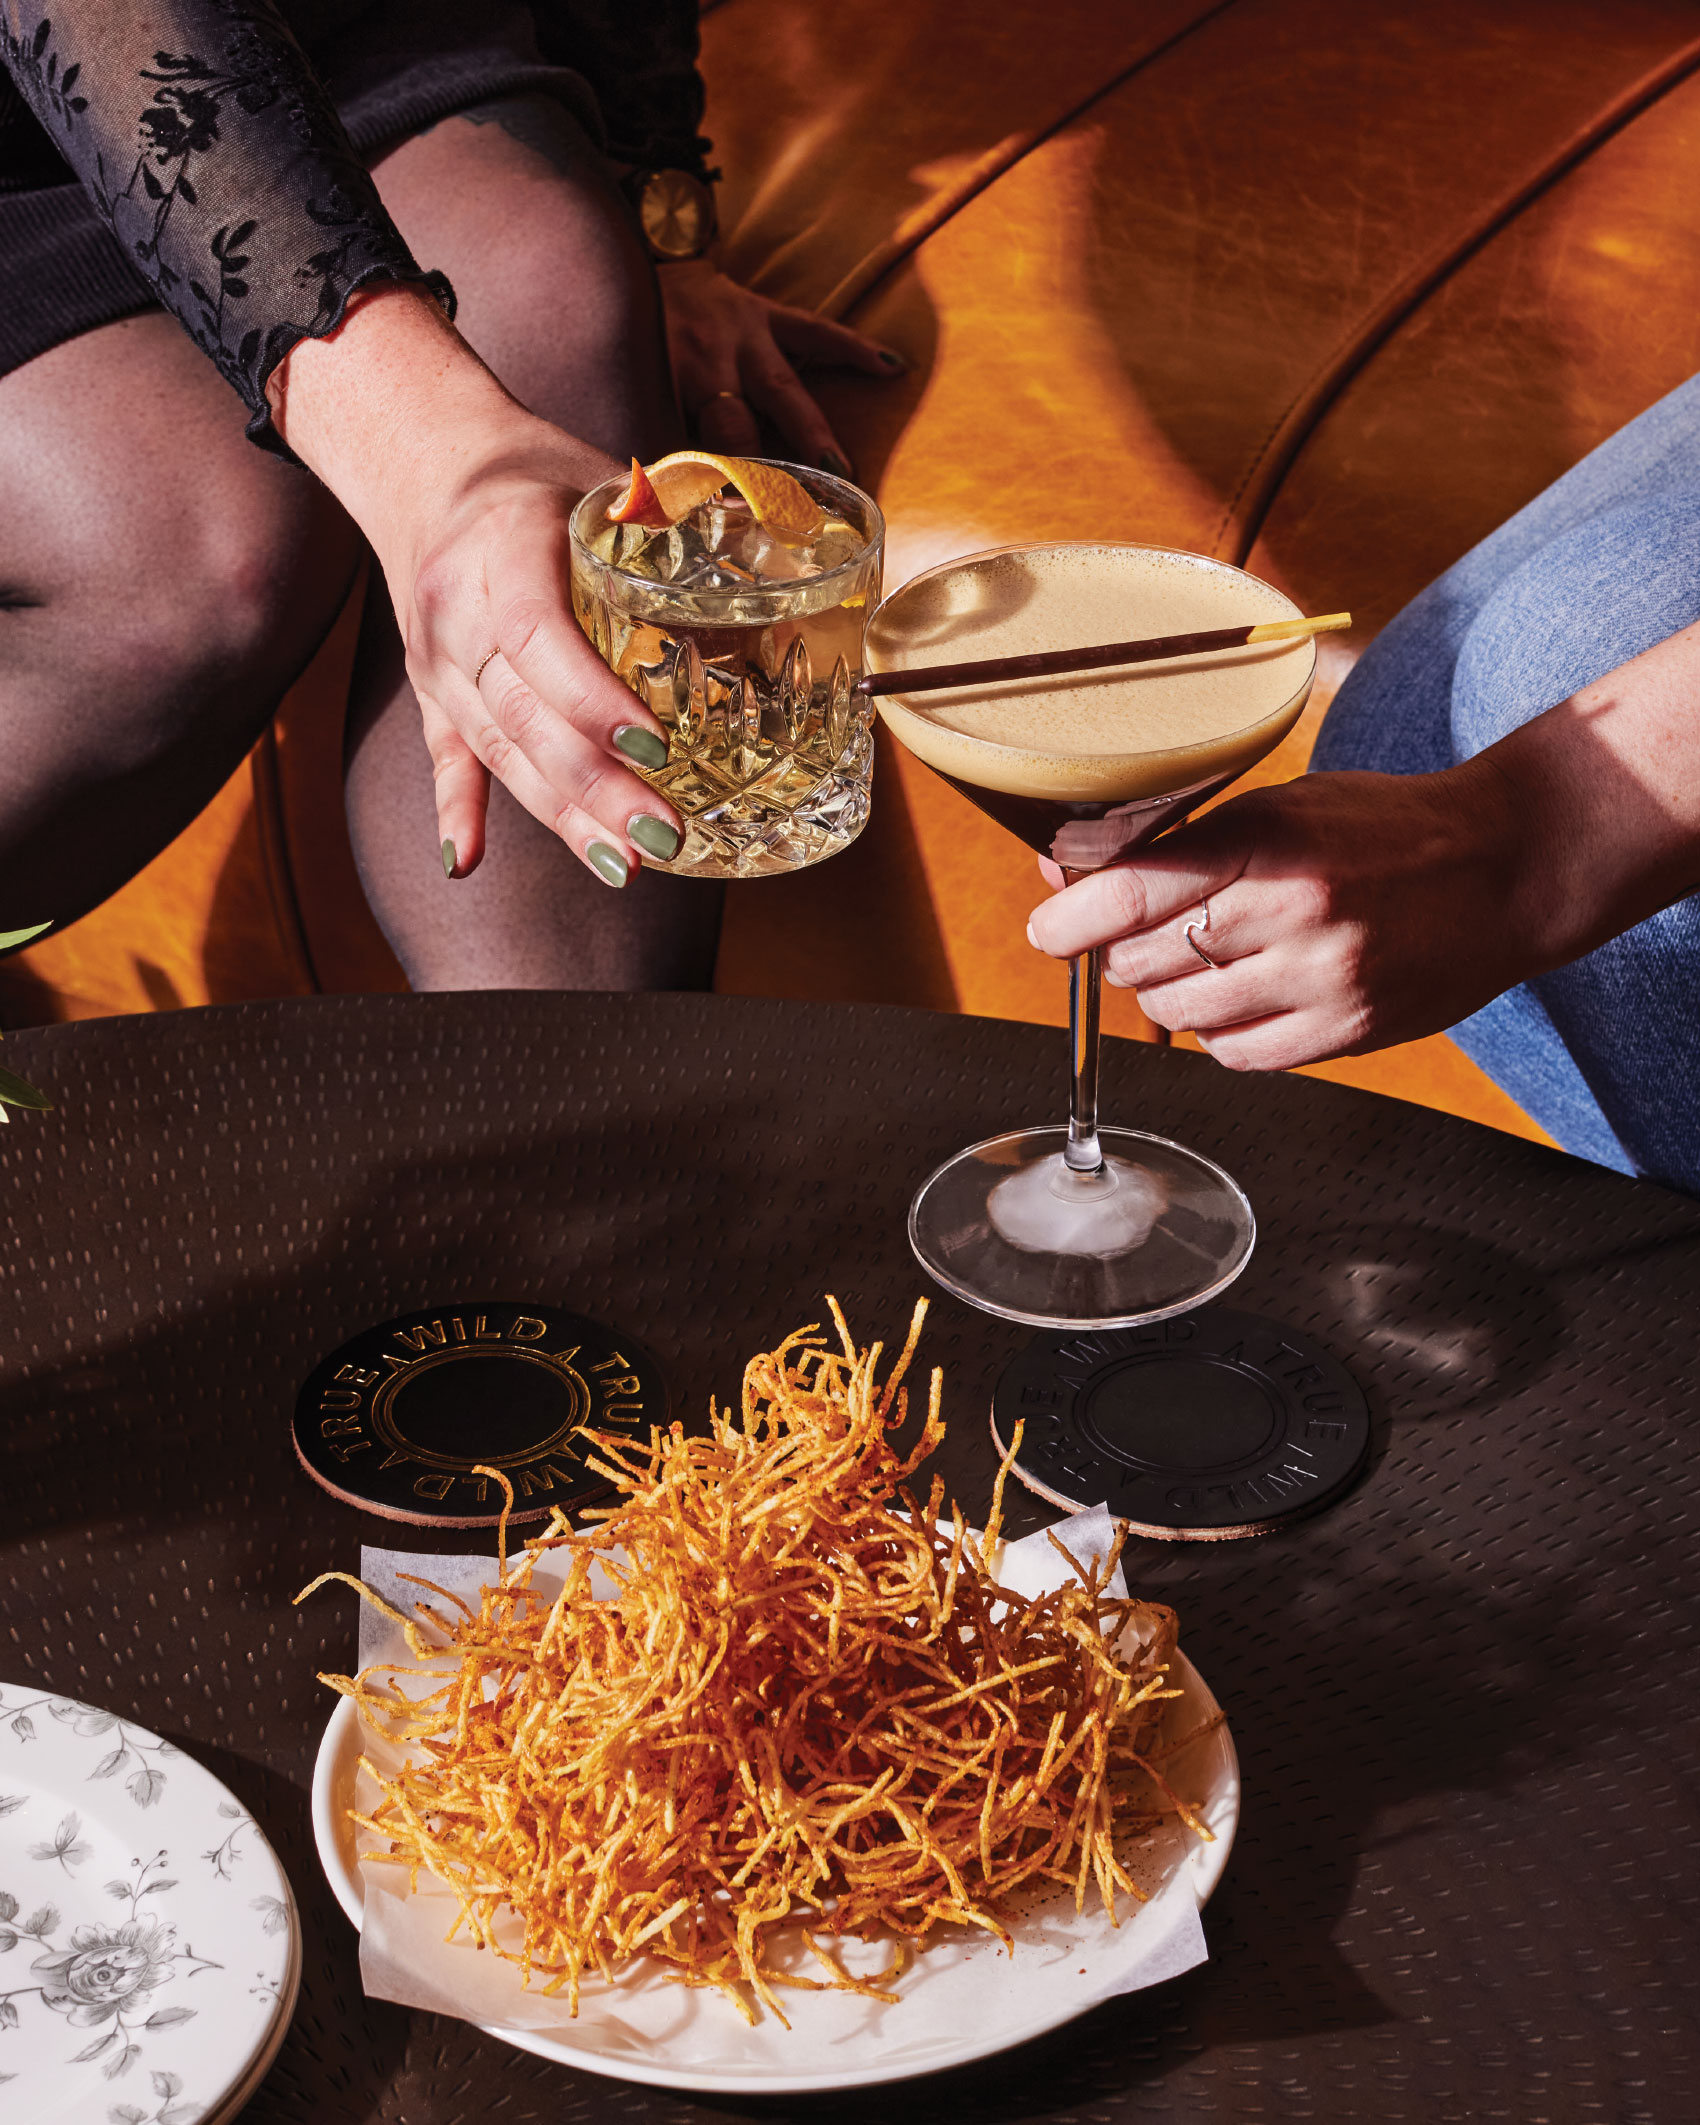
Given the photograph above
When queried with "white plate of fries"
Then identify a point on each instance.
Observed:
(783, 1779)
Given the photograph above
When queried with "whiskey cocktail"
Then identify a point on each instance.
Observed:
(746, 643)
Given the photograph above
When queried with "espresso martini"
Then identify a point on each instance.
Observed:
(1077, 1226)
(1086, 768)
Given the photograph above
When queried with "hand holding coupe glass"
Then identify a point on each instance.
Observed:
(1081, 1225)
(1337, 903)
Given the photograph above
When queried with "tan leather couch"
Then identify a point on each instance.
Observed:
(1324, 287)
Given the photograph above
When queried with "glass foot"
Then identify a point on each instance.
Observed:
(1011, 1228)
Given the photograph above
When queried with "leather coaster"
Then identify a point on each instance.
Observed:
(1202, 1428)
(396, 1420)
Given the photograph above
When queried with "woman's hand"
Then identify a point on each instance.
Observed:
(465, 498)
(1352, 911)
(736, 358)
(507, 682)
(1347, 912)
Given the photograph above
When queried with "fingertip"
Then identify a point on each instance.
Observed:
(462, 849)
(641, 745)
(463, 792)
(1229, 1057)
(654, 836)
(609, 864)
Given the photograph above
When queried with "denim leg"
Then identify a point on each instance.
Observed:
(1394, 715)
(1628, 1014)
(1618, 532)
(1394, 711)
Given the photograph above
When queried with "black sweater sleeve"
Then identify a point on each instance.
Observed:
(640, 56)
(206, 143)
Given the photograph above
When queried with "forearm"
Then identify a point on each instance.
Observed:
(213, 154)
(398, 417)
(1601, 803)
(389, 408)
(466, 499)
(1354, 910)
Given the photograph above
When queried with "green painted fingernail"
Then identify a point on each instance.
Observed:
(644, 746)
(448, 859)
(654, 836)
(607, 863)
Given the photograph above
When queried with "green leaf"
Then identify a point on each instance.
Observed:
(17, 1092)
(9, 938)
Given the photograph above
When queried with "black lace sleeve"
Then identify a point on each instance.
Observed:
(199, 130)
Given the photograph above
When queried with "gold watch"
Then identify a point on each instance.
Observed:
(675, 212)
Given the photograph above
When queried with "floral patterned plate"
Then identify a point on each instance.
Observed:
(149, 1945)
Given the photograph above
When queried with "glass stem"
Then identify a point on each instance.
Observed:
(1082, 1153)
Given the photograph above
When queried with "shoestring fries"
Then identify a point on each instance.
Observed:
(808, 1705)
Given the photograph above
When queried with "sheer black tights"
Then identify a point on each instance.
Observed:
(162, 583)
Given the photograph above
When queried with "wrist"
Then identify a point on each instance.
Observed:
(1583, 847)
(356, 405)
(1508, 836)
(403, 422)
(675, 211)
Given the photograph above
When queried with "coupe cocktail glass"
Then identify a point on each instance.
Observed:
(1086, 1226)
(747, 647)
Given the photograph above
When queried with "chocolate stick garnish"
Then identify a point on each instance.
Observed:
(1048, 663)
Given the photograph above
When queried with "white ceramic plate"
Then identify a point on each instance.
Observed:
(150, 1950)
(962, 1999)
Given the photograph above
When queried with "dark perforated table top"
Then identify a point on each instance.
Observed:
(1464, 1697)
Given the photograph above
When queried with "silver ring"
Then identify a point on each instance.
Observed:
(488, 655)
(1215, 965)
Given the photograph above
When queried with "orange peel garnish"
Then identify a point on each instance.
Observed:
(662, 493)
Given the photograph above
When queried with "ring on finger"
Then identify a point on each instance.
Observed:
(737, 398)
(1201, 921)
(484, 661)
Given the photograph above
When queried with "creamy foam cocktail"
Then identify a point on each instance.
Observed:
(1079, 1226)
(1072, 765)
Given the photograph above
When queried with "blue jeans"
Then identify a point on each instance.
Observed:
(1605, 1052)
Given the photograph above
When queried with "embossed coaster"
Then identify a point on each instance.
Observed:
(1201, 1428)
(396, 1420)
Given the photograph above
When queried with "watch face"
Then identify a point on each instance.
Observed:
(677, 213)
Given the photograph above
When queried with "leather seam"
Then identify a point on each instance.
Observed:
(908, 238)
(273, 835)
(1306, 410)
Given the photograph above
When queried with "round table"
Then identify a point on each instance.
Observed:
(1463, 1696)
